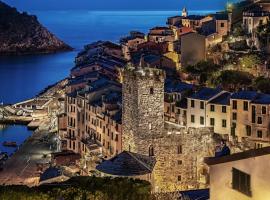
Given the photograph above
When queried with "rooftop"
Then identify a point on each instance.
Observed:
(194, 17)
(206, 93)
(245, 95)
(177, 86)
(223, 99)
(127, 164)
(262, 99)
(238, 156)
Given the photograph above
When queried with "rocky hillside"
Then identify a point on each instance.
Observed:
(21, 33)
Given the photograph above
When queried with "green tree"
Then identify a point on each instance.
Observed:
(233, 80)
(249, 61)
(262, 84)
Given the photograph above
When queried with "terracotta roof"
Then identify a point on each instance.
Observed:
(127, 164)
(238, 156)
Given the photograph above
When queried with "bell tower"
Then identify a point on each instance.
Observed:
(184, 12)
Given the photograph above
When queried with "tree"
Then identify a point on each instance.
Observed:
(238, 31)
(249, 61)
(262, 84)
(233, 80)
(203, 69)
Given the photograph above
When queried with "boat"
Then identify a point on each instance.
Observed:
(10, 144)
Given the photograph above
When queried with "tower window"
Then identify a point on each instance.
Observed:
(151, 90)
(179, 149)
(151, 151)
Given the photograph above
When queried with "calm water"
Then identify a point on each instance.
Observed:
(24, 76)
(14, 133)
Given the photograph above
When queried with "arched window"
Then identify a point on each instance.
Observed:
(151, 151)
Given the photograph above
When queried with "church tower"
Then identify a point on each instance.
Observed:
(143, 107)
(184, 12)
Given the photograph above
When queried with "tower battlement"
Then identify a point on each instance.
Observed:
(144, 72)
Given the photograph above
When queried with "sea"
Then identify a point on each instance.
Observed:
(23, 77)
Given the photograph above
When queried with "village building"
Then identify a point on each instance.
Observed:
(240, 176)
(148, 136)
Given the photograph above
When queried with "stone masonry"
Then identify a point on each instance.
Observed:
(179, 152)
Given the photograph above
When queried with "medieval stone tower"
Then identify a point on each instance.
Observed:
(143, 107)
(178, 152)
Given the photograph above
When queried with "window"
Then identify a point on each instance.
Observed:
(151, 90)
(263, 110)
(192, 119)
(241, 181)
(259, 120)
(116, 137)
(179, 178)
(234, 116)
(202, 120)
(179, 162)
(212, 122)
(222, 24)
(248, 130)
(192, 104)
(212, 108)
(179, 149)
(151, 151)
(245, 106)
(259, 134)
(201, 104)
(233, 129)
(224, 109)
(253, 114)
(224, 123)
(234, 104)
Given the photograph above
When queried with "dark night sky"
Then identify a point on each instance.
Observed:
(116, 4)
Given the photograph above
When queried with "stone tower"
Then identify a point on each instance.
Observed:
(143, 107)
(184, 12)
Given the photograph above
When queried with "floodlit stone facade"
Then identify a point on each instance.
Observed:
(178, 151)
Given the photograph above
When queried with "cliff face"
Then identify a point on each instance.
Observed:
(21, 33)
